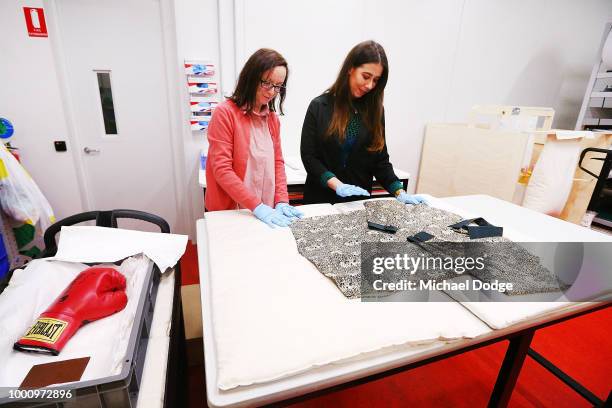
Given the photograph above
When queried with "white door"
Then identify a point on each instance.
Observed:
(114, 58)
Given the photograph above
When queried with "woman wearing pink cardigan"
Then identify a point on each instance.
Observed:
(245, 167)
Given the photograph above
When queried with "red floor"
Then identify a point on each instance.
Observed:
(579, 346)
(582, 347)
(189, 265)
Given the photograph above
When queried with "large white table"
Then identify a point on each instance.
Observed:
(342, 375)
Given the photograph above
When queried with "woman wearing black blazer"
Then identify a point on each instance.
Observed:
(343, 137)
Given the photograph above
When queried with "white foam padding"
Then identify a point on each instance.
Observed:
(521, 225)
(275, 315)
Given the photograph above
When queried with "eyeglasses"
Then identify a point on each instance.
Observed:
(267, 85)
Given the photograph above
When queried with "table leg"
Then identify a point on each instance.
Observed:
(204, 197)
(510, 369)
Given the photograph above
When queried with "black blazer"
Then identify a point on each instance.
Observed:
(320, 154)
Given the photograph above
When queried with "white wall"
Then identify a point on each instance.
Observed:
(533, 53)
(197, 39)
(30, 99)
(445, 56)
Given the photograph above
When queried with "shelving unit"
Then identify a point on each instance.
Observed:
(596, 114)
(596, 110)
(202, 83)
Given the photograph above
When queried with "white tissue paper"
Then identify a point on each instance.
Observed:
(90, 244)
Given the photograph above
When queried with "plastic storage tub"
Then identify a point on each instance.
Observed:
(120, 390)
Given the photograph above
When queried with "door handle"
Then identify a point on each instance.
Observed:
(87, 150)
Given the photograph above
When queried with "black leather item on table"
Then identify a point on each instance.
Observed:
(482, 229)
(420, 237)
(390, 229)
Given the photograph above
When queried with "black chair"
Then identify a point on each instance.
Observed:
(176, 384)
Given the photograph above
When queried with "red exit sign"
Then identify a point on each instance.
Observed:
(35, 21)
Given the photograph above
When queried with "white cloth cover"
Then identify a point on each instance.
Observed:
(275, 315)
(504, 314)
(100, 244)
(32, 290)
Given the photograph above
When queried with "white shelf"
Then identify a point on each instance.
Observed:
(586, 110)
(601, 95)
(602, 221)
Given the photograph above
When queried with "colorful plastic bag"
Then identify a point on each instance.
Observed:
(20, 197)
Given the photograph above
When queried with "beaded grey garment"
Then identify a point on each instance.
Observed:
(333, 244)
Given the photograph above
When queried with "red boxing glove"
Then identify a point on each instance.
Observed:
(95, 293)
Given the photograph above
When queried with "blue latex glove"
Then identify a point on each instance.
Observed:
(347, 190)
(267, 214)
(406, 198)
(199, 69)
(288, 210)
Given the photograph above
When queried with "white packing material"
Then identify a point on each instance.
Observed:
(551, 181)
(275, 315)
(33, 289)
(90, 244)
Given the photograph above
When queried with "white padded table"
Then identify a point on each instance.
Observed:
(522, 222)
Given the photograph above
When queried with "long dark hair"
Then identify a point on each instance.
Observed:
(370, 105)
(251, 75)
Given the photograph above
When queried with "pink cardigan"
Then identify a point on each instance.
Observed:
(229, 138)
